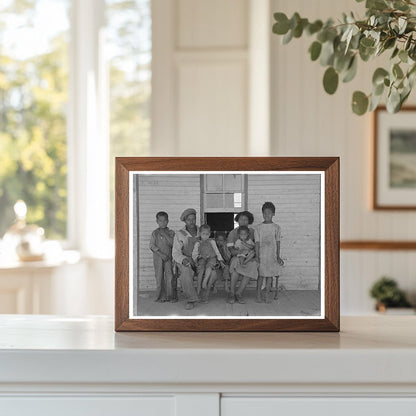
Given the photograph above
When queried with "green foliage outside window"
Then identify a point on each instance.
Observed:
(33, 99)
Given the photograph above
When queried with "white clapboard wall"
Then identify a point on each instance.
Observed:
(297, 201)
(170, 193)
(297, 198)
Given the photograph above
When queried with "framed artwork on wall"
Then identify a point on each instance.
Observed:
(227, 244)
(394, 177)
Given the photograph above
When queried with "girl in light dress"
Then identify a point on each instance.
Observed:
(267, 238)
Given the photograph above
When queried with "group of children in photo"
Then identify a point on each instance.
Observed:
(245, 253)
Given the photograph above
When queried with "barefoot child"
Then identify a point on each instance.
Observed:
(267, 237)
(246, 265)
(206, 256)
(161, 242)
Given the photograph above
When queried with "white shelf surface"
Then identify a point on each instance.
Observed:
(53, 349)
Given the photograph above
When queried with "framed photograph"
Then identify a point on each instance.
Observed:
(395, 159)
(227, 244)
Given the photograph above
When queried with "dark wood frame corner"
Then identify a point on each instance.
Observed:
(330, 165)
(375, 205)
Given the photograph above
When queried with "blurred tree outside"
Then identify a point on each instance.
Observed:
(33, 99)
(129, 46)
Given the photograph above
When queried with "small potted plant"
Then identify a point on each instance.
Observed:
(387, 294)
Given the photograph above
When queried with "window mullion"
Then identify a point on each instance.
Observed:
(88, 137)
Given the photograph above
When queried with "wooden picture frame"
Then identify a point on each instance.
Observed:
(388, 194)
(129, 168)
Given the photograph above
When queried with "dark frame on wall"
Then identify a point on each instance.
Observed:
(376, 204)
(328, 165)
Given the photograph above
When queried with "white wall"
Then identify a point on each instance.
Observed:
(208, 73)
(297, 200)
(200, 77)
(308, 122)
(170, 193)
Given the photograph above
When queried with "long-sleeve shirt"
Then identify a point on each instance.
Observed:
(196, 253)
(162, 240)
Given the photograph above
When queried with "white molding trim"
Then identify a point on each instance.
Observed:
(259, 78)
(164, 115)
(88, 164)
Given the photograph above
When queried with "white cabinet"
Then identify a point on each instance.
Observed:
(271, 406)
(88, 406)
(51, 365)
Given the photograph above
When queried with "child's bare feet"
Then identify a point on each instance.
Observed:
(240, 299)
(231, 298)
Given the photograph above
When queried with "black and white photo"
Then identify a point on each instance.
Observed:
(226, 244)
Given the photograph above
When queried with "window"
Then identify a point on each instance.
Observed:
(129, 43)
(33, 106)
(75, 88)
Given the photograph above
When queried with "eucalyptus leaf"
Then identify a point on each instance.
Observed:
(315, 50)
(281, 26)
(379, 75)
(374, 102)
(366, 53)
(359, 103)
(389, 43)
(395, 52)
(393, 101)
(408, 42)
(378, 89)
(330, 80)
(367, 42)
(397, 71)
(376, 4)
(314, 27)
(288, 37)
(327, 54)
(403, 56)
(351, 71)
(402, 22)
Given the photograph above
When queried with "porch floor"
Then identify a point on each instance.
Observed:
(289, 303)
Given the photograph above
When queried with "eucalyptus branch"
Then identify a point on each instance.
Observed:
(388, 25)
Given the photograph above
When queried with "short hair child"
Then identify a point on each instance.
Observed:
(243, 228)
(267, 237)
(205, 227)
(162, 214)
(270, 206)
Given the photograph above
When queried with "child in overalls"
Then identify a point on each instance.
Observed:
(206, 256)
(161, 242)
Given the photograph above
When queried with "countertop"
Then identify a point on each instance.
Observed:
(50, 349)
